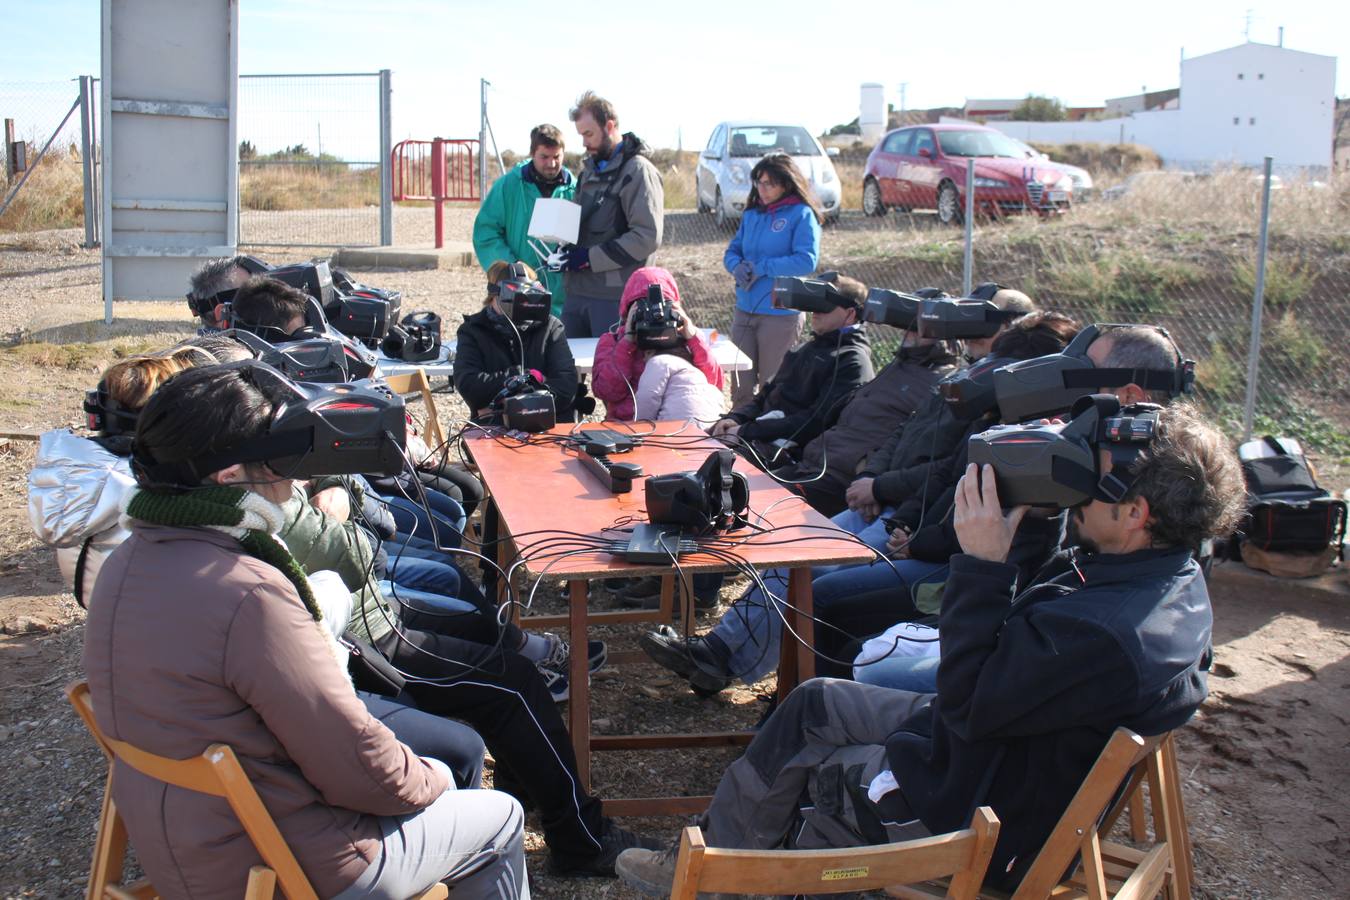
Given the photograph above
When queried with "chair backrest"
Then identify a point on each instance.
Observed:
(1098, 800)
(416, 382)
(964, 855)
(216, 772)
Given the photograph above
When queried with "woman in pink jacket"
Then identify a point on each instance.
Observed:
(620, 363)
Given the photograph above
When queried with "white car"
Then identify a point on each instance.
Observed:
(723, 177)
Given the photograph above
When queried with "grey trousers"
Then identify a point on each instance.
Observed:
(471, 840)
(766, 340)
(803, 780)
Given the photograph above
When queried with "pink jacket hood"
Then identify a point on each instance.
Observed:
(637, 286)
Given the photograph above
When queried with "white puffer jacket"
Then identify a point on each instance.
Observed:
(75, 494)
(672, 389)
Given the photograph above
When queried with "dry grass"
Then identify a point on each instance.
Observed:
(53, 197)
(327, 186)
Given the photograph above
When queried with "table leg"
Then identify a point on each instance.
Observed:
(797, 659)
(579, 701)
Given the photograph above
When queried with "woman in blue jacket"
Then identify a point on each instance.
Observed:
(779, 234)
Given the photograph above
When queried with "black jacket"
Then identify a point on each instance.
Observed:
(487, 352)
(814, 377)
(1032, 684)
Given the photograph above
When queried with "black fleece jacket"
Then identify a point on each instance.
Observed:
(1032, 684)
(814, 377)
(487, 353)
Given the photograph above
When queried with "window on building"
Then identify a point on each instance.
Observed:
(1251, 121)
(1260, 76)
(1239, 76)
(1237, 120)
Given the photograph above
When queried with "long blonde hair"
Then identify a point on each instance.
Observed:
(131, 381)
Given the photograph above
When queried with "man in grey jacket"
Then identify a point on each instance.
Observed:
(622, 214)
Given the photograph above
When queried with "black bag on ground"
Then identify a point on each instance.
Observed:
(1289, 513)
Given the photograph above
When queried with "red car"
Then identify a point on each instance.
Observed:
(924, 167)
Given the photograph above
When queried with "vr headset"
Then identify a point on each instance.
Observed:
(1051, 384)
(813, 295)
(327, 359)
(715, 498)
(524, 404)
(337, 429)
(105, 415)
(655, 324)
(897, 308)
(523, 301)
(314, 278)
(416, 339)
(1058, 465)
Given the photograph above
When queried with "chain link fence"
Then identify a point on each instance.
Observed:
(1170, 248)
(53, 195)
(310, 160)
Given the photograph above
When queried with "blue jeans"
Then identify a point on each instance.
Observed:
(444, 525)
(752, 632)
(453, 743)
(907, 673)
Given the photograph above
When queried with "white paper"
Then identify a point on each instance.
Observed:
(555, 221)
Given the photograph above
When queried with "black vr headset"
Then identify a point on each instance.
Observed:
(965, 318)
(313, 360)
(416, 339)
(354, 309)
(105, 415)
(525, 404)
(524, 302)
(338, 429)
(897, 308)
(655, 324)
(1048, 385)
(813, 295)
(1058, 465)
(715, 498)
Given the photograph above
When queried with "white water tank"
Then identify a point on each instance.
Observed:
(872, 112)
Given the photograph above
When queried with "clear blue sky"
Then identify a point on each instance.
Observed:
(680, 68)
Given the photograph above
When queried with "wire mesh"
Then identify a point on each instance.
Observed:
(53, 196)
(309, 160)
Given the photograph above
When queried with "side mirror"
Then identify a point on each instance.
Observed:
(831, 151)
(925, 153)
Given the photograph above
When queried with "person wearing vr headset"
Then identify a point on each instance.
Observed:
(779, 234)
(178, 659)
(794, 404)
(622, 215)
(1033, 679)
(513, 338)
(864, 420)
(622, 356)
(501, 228)
(214, 284)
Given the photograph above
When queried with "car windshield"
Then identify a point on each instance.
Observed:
(761, 140)
(979, 143)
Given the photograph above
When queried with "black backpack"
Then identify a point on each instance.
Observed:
(1288, 512)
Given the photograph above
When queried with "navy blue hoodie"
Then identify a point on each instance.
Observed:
(1032, 685)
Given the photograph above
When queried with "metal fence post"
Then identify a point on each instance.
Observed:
(1258, 302)
(438, 187)
(386, 164)
(482, 137)
(968, 261)
(87, 162)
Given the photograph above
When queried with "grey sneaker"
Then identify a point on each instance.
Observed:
(559, 653)
(650, 871)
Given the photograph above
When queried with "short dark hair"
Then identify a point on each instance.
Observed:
(851, 289)
(545, 136)
(195, 413)
(1140, 347)
(1037, 334)
(600, 109)
(1191, 478)
(267, 303)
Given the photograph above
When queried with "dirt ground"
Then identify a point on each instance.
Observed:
(1265, 762)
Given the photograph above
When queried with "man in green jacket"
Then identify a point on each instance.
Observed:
(500, 229)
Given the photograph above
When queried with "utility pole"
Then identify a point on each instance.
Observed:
(1247, 29)
(904, 86)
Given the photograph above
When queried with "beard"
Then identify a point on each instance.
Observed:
(1076, 539)
(605, 149)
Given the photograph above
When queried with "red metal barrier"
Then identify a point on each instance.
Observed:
(436, 170)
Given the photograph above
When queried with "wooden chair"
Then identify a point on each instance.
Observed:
(964, 855)
(1102, 869)
(216, 772)
(416, 382)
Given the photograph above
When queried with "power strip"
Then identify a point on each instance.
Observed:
(617, 477)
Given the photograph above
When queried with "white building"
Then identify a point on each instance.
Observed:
(1236, 106)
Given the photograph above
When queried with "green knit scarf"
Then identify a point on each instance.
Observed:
(234, 511)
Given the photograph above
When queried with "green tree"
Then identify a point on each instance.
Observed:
(247, 151)
(1038, 109)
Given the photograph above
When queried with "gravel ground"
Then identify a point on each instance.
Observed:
(1264, 763)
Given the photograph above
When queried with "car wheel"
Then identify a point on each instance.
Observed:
(871, 199)
(724, 221)
(949, 205)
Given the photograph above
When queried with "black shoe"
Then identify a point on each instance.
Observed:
(690, 658)
(640, 592)
(614, 841)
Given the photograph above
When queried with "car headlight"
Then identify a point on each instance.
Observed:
(739, 175)
(981, 181)
(1065, 184)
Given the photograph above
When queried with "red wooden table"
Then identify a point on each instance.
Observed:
(538, 488)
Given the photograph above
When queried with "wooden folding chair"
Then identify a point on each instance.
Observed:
(216, 772)
(963, 855)
(1102, 869)
(416, 382)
